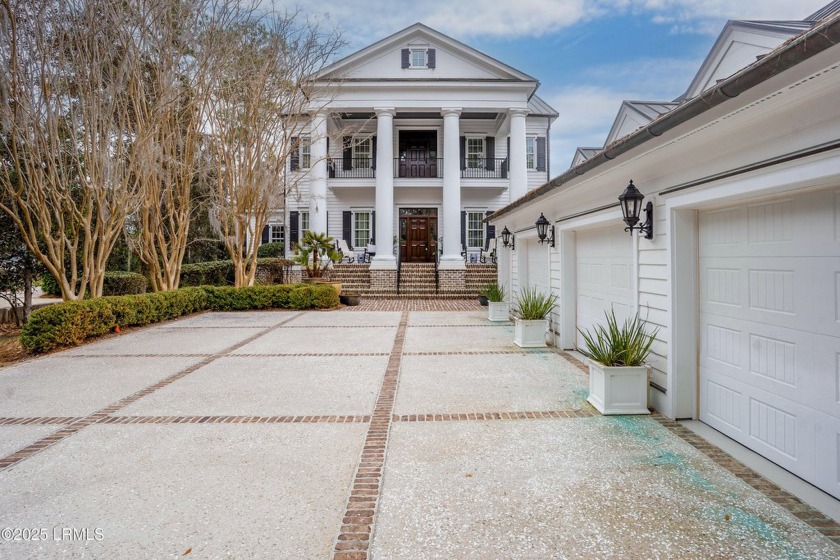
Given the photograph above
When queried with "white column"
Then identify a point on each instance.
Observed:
(384, 189)
(516, 157)
(318, 175)
(451, 258)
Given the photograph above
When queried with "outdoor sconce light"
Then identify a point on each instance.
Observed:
(631, 206)
(543, 228)
(508, 239)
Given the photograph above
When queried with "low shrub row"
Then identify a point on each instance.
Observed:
(270, 270)
(71, 323)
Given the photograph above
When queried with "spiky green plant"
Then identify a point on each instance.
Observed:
(532, 304)
(614, 345)
(494, 292)
(315, 252)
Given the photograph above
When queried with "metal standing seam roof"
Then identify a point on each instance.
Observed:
(539, 107)
(825, 11)
(794, 51)
(652, 109)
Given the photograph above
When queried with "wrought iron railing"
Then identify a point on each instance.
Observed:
(351, 168)
(484, 168)
(418, 168)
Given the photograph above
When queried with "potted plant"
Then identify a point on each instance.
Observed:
(532, 309)
(618, 375)
(497, 308)
(350, 299)
(315, 252)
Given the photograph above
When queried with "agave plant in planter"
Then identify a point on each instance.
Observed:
(618, 375)
(497, 308)
(314, 254)
(532, 310)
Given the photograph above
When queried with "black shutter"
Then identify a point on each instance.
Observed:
(405, 55)
(294, 227)
(490, 148)
(464, 230)
(541, 154)
(430, 58)
(373, 228)
(347, 227)
(490, 230)
(347, 155)
(373, 149)
(294, 156)
(463, 152)
(265, 235)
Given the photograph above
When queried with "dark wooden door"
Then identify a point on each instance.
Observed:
(420, 243)
(418, 161)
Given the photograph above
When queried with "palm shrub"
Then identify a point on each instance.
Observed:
(532, 305)
(494, 292)
(315, 252)
(612, 345)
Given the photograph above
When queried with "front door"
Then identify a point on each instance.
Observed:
(418, 238)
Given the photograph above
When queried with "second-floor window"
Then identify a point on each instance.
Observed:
(362, 153)
(475, 153)
(305, 153)
(531, 152)
(275, 233)
(475, 229)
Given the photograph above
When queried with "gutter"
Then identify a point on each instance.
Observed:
(797, 50)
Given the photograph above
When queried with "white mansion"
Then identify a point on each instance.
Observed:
(423, 139)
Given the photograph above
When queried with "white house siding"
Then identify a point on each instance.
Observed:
(653, 292)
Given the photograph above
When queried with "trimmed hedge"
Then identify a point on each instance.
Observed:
(220, 273)
(274, 249)
(71, 323)
(116, 283)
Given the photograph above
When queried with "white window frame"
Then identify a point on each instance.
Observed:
(304, 222)
(305, 152)
(368, 140)
(531, 155)
(424, 51)
(276, 234)
(471, 161)
(369, 214)
(471, 230)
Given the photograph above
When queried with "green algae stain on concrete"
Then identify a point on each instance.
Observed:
(739, 518)
(678, 463)
(636, 426)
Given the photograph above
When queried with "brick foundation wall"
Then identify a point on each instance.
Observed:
(383, 281)
(452, 280)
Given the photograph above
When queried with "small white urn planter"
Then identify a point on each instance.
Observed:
(618, 390)
(530, 334)
(498, 310)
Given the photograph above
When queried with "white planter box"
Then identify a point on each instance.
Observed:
(498, 310)
(530, 334)
(618, 390)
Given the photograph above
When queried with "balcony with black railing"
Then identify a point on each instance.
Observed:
(418, 168)
(484, 168)
(351, 168)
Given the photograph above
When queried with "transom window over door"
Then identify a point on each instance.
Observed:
(475, 229)
(361, 229)
(475, 153)
(305, 153)
(531, 152)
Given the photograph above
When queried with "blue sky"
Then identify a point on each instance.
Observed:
(589, 55)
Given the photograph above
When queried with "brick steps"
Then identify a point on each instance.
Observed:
(417, 281)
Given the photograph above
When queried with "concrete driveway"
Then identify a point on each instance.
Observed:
(356, 434)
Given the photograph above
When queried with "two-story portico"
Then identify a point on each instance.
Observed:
(419, 138)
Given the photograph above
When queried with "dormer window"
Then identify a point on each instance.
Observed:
(418, 57)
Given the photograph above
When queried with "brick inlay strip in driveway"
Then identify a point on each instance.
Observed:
(38, 420)
(104, 413)
(357, 525)
(235, 420)
(467, 416)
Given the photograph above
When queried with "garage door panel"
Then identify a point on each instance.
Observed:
(779, 429)
(772, 358)
(770, 330)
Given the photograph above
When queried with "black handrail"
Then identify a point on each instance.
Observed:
(351, 168)
(437, 277)
(418, 168)
(399, 268)
(484, 168)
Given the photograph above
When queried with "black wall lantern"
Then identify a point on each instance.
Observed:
(507, 239)
(543, 229)
(631, 206)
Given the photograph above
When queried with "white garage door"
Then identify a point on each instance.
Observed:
(537, 266)
(604, 260)
(770, 330)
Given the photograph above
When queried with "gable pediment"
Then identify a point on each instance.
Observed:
(453, 60)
